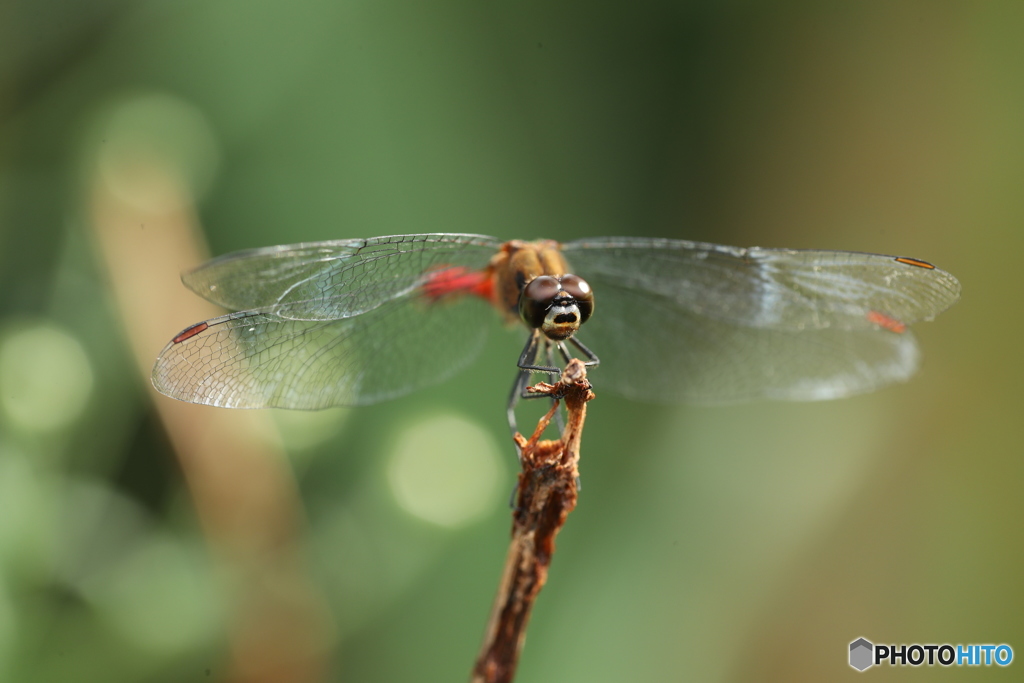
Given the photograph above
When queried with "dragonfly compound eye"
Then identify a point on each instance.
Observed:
(580, 290)
(536, 299)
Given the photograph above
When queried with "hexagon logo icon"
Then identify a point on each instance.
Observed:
(861, 654)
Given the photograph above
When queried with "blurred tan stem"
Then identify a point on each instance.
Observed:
(244, 493)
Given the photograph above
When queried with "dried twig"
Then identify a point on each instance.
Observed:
(547, 494)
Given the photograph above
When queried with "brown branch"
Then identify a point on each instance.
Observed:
(547, 494)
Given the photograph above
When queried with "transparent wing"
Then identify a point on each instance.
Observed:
(653, 350)
(686, 321)
(257, 359)
(338, 279)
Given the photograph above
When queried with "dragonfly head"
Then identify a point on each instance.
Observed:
(557, 306)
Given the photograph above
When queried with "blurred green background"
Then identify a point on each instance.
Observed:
(728, 544)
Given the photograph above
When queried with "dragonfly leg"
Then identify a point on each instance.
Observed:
(559, 420)
(564, 351)
(527, 366)
(518, 387)
(592, 360)
(528, 358)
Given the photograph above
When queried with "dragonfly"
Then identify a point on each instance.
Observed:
(355, 322)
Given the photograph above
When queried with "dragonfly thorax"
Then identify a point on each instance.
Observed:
(557, 306)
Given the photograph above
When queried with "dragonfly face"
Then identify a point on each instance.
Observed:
(533, 278)
(557, 306)
(359, 321)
